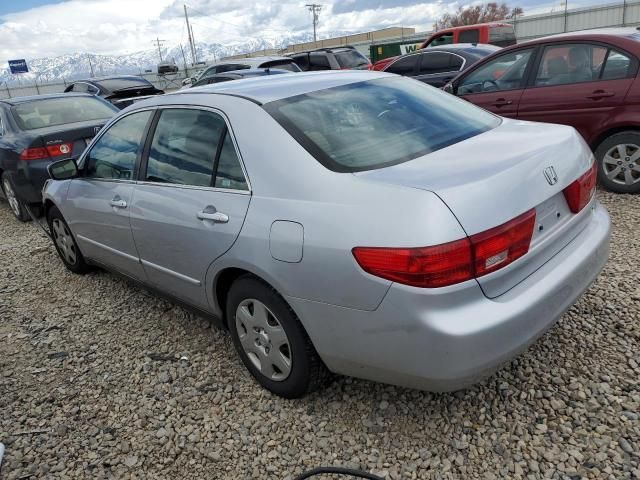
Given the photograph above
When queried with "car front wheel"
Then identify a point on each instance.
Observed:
(65, 244)
(619, 162)
(271, 341)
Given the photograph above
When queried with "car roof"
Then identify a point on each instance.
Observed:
(114, 77)
(628, 34)
(35, 98)
(253, 60)
(267, 88)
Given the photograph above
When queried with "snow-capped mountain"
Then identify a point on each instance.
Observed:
(79, 65)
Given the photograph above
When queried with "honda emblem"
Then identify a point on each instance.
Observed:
(551, 175)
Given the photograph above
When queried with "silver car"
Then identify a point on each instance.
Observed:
(359, 223)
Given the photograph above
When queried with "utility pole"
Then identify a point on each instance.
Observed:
(195, 51)
(190, 32)
(314, 8)
(184, 60)
(159, 43)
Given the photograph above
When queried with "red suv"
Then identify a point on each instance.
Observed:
(588, 80)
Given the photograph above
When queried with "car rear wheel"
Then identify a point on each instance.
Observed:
(16, 205)
(619, 162)
(271, 341)
(65, 244)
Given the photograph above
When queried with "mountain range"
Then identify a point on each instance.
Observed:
(79, 65)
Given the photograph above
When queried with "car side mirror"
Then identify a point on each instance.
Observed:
(63, 169)
(450, 88)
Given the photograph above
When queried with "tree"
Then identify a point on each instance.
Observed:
(489, 12)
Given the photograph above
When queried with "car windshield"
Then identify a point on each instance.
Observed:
(59, 111)
(350, 59)
(373, 124)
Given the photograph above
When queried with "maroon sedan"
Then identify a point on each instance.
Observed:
(587, 79)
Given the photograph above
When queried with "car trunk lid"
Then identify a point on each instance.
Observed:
(75, 136)
(494, 177)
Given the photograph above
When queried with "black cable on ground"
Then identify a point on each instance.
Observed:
(338, 471)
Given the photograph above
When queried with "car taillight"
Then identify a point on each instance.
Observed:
(453, 262)
(501, 245)
(37, 153)
(580, 191)
(59, 149)
(43, 153)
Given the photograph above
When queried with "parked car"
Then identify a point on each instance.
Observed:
(357, 222)
(262, 62)
(167, 66)
(588, 80)
(337, 58)
(121, 91)
(438, 65)
(494, 33)
(236, 75)
(36, 130)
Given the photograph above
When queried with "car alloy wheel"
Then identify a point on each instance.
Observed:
(621, 164)
(64, 242)
(263, 340)
(14, 203)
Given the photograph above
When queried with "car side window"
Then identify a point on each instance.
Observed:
(229, 173)
(570, 63)
(80, 87)
(444, 39)
(319, 61)
(231, 67)
(469, 36)
(505, 72)
(404, 66)
(302, 61)
(436, 62)
(184, 147)
(616, 66)
(114, 155)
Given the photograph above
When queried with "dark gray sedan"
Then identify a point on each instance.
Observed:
(437, 65)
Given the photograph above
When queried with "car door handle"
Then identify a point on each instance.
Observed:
(598, 94)
(118, 203)
(217, 217)
(501, 102)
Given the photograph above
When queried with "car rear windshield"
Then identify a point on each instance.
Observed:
(377, 123)
(350, 59)
(59, 111)
(115, 84)
(282, 65)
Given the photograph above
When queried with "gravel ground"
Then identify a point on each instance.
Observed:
(100, 380)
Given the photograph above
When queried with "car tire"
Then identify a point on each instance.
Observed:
(15, 204)
(618, 158)
(65, 243)
(271, 341)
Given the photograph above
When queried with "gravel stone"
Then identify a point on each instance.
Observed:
(100, 379)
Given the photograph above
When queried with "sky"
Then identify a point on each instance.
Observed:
(45, 28)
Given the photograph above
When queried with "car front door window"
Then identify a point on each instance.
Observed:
(505, 72)
(113, 156)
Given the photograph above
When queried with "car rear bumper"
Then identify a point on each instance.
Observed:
(29, 180)
(446, 339)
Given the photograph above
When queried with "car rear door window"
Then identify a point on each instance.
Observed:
(505, 72)
(289, 65)
(319, 61)
(616, 66)
(184, 147)
(469, 36)
(114, 154)
(302, 60)
(438, 62)
(570, 63)
(405, 65)
(229, 172)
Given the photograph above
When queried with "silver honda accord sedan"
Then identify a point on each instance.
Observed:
(358, 223)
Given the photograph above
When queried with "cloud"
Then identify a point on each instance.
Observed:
(127, 26)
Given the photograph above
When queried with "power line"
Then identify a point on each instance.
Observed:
(159, 43)
(314, 8)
